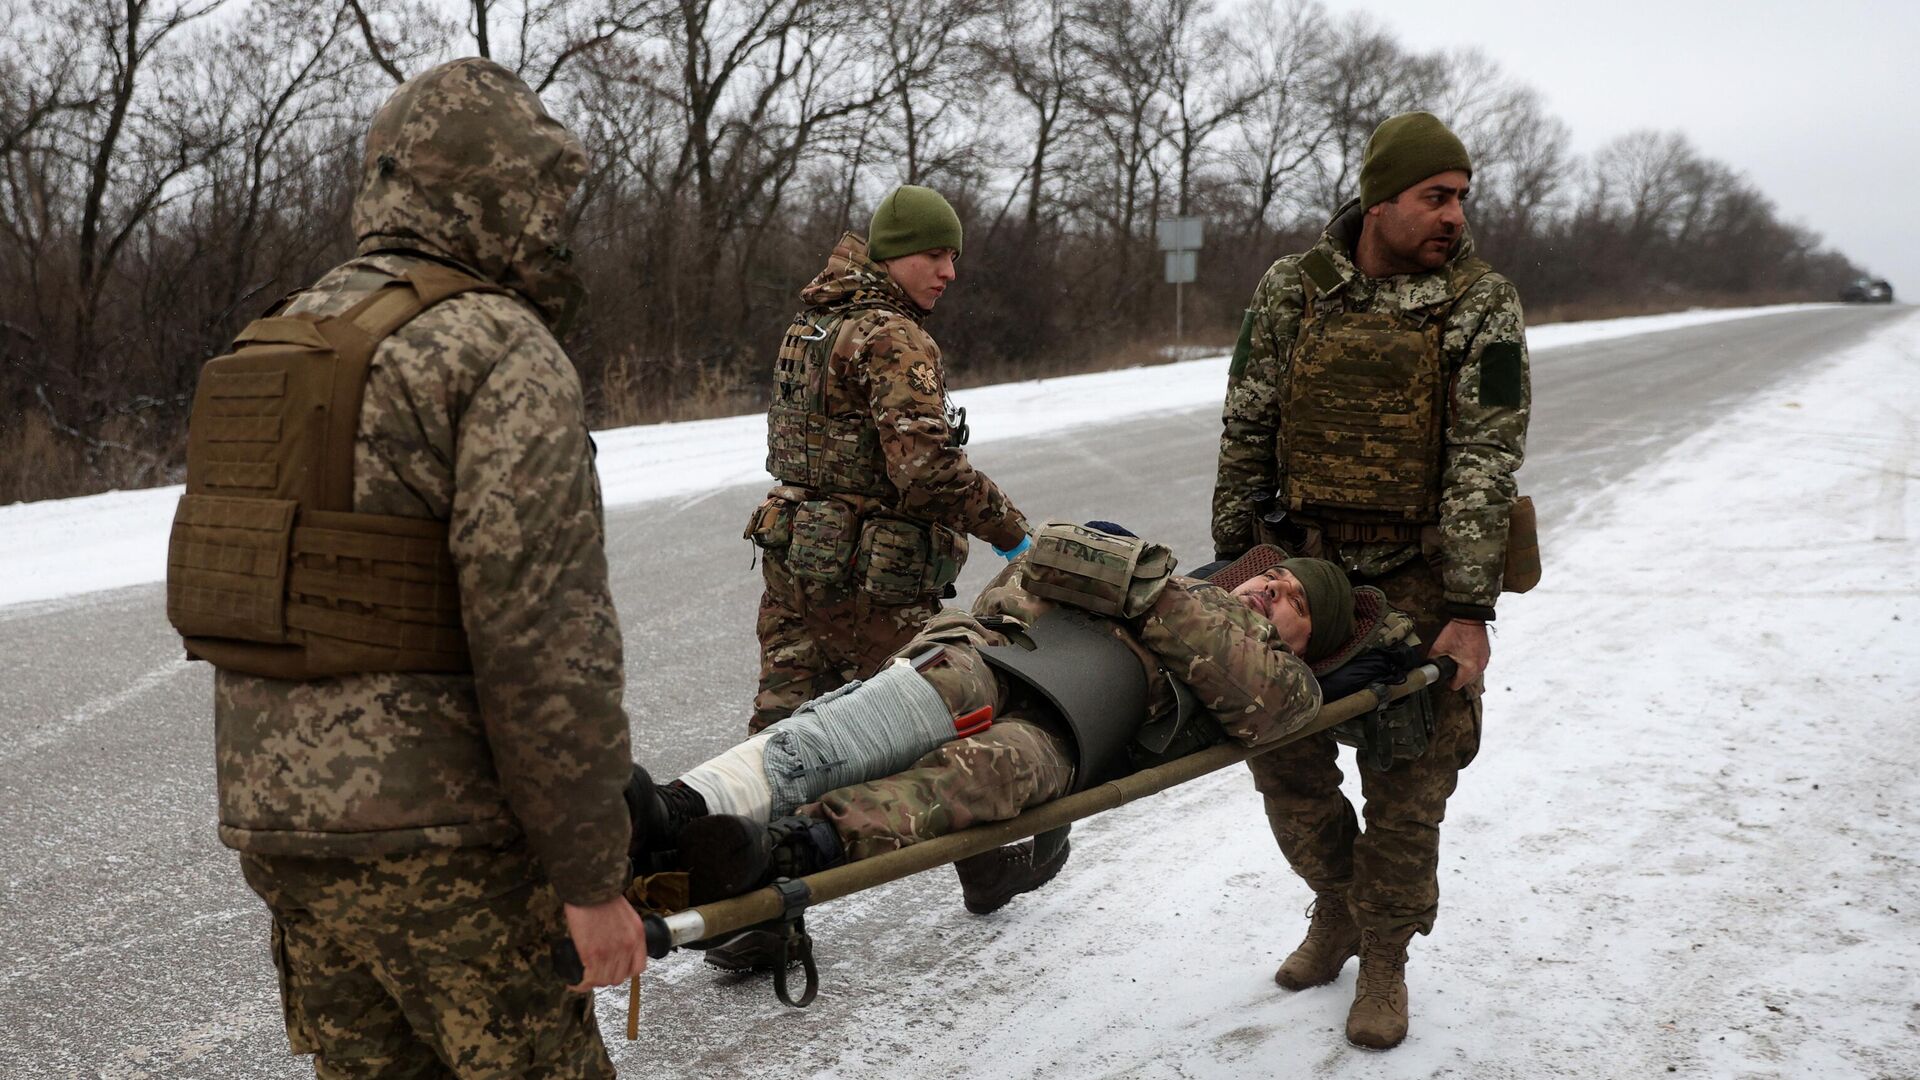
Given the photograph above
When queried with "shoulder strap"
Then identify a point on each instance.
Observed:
(829, 328)
(354, 334)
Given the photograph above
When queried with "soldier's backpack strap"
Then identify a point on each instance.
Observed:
(1097, 684)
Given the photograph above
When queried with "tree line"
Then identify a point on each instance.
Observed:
(168, 168)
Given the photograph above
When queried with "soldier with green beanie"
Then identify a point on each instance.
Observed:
(1047, 685)
(867, 527)
(1409, 488)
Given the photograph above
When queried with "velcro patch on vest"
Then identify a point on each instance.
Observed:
(1320, 270)
(1242, 347)
(1501, 369)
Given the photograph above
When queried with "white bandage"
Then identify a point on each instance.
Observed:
(736, 781)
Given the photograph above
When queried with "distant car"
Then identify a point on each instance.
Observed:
(1868, 290)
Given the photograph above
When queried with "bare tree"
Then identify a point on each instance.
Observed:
(1031, 46)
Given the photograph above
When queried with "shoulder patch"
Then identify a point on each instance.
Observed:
(1241, 347)
(1500, 375)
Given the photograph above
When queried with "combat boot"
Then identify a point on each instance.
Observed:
(725, 855)
(990, 879)
(660, 813)
(1378, 1019)
(1332, 939)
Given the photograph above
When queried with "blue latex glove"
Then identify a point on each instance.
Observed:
(1014, 552)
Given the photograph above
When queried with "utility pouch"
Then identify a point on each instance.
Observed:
(770, 526)
(891, 563)
(946, 554)
(1522, 570)
(227, 567)
(1396, 732)
(1116, 576)
(823, 537)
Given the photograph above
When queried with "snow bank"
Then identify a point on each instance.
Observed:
(66, 547)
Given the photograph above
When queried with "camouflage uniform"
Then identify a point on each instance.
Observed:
(884, 381)
(415, 834)
(1453, 569)
(1226, 653)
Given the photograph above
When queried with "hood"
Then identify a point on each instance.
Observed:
(464, 163)
(851, 279)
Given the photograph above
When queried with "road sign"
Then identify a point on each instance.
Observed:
(1179, 234)
(1182, 267)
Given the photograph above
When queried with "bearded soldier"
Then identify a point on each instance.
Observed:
(867, 529)
(1376, 411)
(391, 550)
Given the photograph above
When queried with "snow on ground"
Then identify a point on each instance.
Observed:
(1690, 845)
(66, 547)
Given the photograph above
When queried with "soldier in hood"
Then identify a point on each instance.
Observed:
(391, 549)
(1376, 411)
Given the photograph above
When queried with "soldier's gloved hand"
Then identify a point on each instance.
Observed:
(1016, 550)
(1388, 665)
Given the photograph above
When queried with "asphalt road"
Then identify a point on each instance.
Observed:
(129, 946)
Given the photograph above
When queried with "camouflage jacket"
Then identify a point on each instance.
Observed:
(887, 367)
(473, 415)
(1228, 654)
(1483, 443)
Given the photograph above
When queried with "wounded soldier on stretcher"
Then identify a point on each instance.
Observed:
(1083, 660)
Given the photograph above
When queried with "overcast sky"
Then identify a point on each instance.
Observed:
(1817, 102)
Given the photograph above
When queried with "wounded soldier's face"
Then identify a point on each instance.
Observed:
(1277, 595)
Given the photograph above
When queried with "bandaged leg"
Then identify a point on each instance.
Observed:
(735, 782)
(860, 732)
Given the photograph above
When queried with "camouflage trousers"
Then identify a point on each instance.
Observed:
(1021, 761)
(992, 776)
(428, 964)
(815, 638)
(1389, 872)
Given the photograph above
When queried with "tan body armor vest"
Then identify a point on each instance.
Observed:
(1365, 408)
(270, 571)
(807, 446)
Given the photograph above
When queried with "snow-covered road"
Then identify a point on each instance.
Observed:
(1688, 847)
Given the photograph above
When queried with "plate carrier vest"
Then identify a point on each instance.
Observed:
(1365, 406)
(806, 445)
(270, 571)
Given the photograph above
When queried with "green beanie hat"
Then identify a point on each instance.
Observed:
(1405, 150)
(1329, 603)
(912, 218)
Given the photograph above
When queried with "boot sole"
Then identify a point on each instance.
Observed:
(724, 856)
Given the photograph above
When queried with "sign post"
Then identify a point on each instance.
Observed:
(1180, 238)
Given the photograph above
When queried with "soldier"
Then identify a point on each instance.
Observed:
(867, 529)
(1057, 681)
(1376, 411)
(391, 550)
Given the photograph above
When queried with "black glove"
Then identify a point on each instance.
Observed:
(1389, 664)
